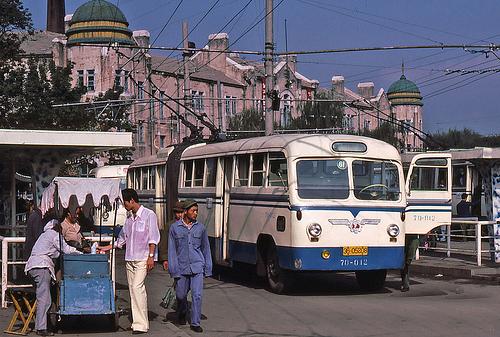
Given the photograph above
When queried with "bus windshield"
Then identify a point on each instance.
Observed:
(323, 179)
(375, 180)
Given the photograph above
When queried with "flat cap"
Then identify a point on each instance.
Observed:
(189, 203)
(179, 206)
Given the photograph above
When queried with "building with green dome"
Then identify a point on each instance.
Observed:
(404, 92)
(406, 106)
(99, 21)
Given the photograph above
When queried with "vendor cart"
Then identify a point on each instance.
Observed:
(87, 280)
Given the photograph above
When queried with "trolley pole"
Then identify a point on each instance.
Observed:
(268, 66)
(187, 82)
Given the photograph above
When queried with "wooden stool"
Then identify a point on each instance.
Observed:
(24, 301)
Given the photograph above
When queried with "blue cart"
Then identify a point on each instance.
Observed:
(86, 287)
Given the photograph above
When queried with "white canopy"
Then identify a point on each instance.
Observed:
(80, 188)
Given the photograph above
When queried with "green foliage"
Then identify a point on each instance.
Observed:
(318, 114)
(14, 18)
(27, 93)
(247, 120)
(386, 132)
(463, 139)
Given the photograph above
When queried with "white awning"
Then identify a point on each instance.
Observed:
(80, 188)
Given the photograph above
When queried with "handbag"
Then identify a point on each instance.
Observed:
(169, 299)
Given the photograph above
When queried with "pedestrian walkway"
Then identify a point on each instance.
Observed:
(461, 264)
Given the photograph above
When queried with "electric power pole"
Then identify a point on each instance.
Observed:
(268, 66)
(187, 82)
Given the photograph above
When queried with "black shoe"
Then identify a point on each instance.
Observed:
(138, 332)
(404, 289)
(44, 333)
(182, 319)
(196, 328)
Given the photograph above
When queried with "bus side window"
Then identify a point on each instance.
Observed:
(277, 167)
(242, 168)
(429, 179)
(188, 173)
(258, 170)
(210, 172)
(199, 169)
(145, 175)
(459, 176)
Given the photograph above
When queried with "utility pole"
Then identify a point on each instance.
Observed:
(268, 66)
(187, 82)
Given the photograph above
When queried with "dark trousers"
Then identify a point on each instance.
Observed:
(194, 283)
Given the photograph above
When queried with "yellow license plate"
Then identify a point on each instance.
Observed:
(355, 251)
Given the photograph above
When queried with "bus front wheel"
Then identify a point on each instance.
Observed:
(276, 277)
(371, 280)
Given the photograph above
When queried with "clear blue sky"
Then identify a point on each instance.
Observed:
(450, 101)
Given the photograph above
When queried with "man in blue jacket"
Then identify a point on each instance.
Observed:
(189, 262)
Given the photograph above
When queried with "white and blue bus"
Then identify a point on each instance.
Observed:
(298, 203)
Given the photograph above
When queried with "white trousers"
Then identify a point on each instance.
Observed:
(136, 274)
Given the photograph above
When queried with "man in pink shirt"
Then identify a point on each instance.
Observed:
(140, 235)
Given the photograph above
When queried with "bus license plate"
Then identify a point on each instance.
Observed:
(355, 251)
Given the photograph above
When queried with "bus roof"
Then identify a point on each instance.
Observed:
(295, 145)
(109, 171)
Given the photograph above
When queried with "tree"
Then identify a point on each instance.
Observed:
(247, 120)
(386, 132)
(14, 18)
(319, 114)
(28, 91)
(464, 139)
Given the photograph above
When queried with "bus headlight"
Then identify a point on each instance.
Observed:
(393, 230)
(314, 230)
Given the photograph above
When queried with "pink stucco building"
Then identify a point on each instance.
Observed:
(106, 54)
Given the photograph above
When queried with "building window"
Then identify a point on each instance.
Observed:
(230, 107)
(140, 133)
(162, 94)
(366, 124)
(286, 113)
(162, 141)
(90, 80)
(125, 81)
(197, 100)
(118, 78)
(80, 78)
(152, 102)
(140, 90)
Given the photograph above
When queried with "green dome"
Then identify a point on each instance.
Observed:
(98, 10)
(404, 92)
(101, 22)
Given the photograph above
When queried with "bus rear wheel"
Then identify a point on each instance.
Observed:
(277, 278)
(371, 280)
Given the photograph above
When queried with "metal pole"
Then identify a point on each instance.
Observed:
(13, 194)
(187, 80)
(479, 247)
(448, 240)
(268, 65)
(5, 257)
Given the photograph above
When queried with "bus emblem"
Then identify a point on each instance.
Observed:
(354, 225)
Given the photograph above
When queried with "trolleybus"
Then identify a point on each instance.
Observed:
(298, 203)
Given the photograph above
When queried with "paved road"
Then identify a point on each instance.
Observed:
(238, 304)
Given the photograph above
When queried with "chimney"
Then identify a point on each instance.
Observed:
(365, 89)
(338, 84)
(67, 21)
(218, 42)
(55, 16)
(141, 37)
(58, 52)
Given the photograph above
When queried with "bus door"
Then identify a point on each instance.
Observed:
(222, 191)
(428, 186)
